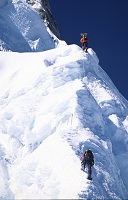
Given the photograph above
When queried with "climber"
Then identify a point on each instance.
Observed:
(88, 159)
(84, 41)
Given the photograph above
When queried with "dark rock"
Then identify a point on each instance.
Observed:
(43, 7)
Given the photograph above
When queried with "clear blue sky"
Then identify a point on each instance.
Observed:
(106, 22)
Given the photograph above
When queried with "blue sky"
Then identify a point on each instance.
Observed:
(106, 23)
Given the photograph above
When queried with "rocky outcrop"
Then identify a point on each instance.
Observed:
(43, 7)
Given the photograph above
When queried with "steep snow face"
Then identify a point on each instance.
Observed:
(53, 105)
(43, 7)
(21, 28)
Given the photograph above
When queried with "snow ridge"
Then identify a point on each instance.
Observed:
(56, 101)
(57, 112)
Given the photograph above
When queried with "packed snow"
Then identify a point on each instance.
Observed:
(54, 103)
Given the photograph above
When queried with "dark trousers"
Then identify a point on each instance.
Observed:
(85, 46)
(89, 166)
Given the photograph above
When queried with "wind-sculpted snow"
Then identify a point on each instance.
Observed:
(21, 28)
(53, 105)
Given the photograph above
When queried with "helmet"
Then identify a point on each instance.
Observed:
(84, 36)
(88, 149)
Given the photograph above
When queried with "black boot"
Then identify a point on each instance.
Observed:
(89, 177)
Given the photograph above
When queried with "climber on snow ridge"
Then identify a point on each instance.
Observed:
(84, 41)
(88, 159)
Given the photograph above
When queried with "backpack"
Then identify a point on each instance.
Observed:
(89, 155)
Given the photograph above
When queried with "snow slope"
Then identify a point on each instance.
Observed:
(53, 105)
(21, 28)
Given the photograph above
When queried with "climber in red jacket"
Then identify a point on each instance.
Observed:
(88, 159)
(84, 41)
